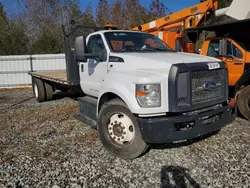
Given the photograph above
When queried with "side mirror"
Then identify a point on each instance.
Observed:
(223, 47)
(80, 48)
(81, 52)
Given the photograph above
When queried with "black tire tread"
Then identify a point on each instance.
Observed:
(137, 147)
(41, 90)
(242, 103)
(49, 91)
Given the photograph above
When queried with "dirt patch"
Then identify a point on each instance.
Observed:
(25, 89)
(4, 98)
(42, 145)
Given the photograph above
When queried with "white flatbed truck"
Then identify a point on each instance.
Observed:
(137, 91)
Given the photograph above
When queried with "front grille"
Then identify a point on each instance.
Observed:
(201, 80)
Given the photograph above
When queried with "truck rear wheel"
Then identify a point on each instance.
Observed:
(243, 102)
(49, 91)
(119, 132)
(39, 90)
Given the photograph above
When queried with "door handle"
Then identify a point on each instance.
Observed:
(238, 63)
(110, 66)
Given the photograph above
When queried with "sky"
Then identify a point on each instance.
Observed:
(173, 5)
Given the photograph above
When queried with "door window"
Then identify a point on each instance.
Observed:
(96, 46)
(214, 48)
(233, 51)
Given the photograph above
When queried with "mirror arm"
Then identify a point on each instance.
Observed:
(90, 55)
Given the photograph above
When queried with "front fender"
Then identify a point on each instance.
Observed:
(123, 86)
(122, 92)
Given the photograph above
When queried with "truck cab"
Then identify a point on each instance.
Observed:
(236, 55)
(235, 52)
(140, 91)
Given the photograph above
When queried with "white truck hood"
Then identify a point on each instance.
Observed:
(142, 64)
(164, 57)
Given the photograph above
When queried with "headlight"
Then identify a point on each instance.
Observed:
(148, 95)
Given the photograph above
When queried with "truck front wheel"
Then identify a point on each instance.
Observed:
(119, 132)
(243, 102)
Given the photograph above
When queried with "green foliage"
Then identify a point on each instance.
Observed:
(13, 40)
(47, 43)
(224, 3)
(37, 30)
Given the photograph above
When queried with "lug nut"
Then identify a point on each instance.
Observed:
(120, 123)
(124, 133)
(115, 122)
(119, 139)
(122, 137)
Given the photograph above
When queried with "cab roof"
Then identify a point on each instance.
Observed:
(112, 31)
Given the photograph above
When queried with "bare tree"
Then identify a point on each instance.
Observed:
(118, 13)
(103, 13)
(135, 14)
(157, 10)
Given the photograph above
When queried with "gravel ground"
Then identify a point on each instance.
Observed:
(43, 145)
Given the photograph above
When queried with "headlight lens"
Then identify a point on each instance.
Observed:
(148, 95)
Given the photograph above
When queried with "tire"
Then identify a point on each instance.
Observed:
(131, 145)
(243, 102)
(49, 91)
(39, 90)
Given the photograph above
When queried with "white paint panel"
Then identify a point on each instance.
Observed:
(48, 62)
(14, 69)
(152, 24)
(160, 35)
(239, 9)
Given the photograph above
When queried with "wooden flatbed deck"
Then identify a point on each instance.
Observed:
(54, 76)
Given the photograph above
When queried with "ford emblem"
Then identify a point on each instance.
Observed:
(209, 85)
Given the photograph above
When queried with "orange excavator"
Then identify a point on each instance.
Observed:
(231, 42)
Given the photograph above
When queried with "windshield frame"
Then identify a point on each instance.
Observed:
(168, 48)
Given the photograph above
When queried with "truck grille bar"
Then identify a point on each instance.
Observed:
(207, 85)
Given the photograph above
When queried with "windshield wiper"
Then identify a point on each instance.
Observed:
(155, 49)
(148, 49)
(162, 49)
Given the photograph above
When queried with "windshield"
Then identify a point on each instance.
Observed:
(135, 42)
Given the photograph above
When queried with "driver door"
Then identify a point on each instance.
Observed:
(234, 59)
(93, 72)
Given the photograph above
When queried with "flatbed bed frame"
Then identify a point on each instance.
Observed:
(58, 76)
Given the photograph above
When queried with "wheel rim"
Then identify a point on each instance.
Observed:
(36, 90)
(121, 129)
